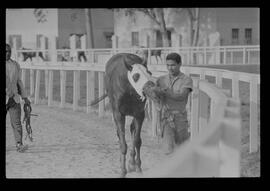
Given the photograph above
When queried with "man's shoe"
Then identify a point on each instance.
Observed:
(21, 148)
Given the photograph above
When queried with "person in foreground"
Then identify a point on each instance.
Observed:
(175, 88)
(15, 89)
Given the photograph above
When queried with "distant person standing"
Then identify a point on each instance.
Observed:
(15, 89)
(175, 88)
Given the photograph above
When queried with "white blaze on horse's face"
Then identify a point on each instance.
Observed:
(138, 77)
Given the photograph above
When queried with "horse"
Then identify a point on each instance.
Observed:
(128, 82)
(32, 54)
(144, 53)
(65, 56)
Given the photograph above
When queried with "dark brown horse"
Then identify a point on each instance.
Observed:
(144, 53)
(125, 101)
(31, 55)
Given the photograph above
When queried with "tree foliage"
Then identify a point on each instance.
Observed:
(158, 17)
(40, 15)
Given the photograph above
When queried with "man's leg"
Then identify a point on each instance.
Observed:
(182, 133)
(168, 140)
(15, 120)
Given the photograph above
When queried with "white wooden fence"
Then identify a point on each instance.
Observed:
(221, 55)
(214, 149)
(219, 75)
(216, 131)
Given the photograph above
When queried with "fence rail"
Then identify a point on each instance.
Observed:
(215, 134)
(98, 69)
(216, 55)
(215, 150)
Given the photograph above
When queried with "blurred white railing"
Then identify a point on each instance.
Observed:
(225, 55)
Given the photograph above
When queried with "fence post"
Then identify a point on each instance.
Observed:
(244, 55)
(194, 120)
(205, 55)
(101, 104)
(230, 142)
(90, 89)
(46, 83)
(74, 52)
(32, 82)
(50, 88)
(235, 86)
(232, 57)
(202, 75)
(63, 75)
(53, 50)
(204, 108)
(23, 77)
(248, 56)
(75, 90)
(253, 125)
(219, 79)
(14, 49)
(225, 56)
(83, 46)
(37, 87)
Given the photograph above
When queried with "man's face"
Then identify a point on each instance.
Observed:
(8, 52)
(173, 67)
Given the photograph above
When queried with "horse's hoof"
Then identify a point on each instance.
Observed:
(138, 170)
(122, 175)
(131, 168)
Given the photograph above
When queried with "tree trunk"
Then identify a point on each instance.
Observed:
(89, 29)
(197, 24)
(163, 30)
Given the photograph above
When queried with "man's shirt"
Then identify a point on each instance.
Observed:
(14, 85)
(176, 84)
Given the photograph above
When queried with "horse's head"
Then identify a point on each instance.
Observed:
(144, 83)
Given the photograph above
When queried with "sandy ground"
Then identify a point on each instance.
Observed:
(71, 144)
(79, 145)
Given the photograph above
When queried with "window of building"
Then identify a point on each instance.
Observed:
(134, 38)
(108, 39)
(18, 40)
(235, 36)
(248, 36)
(159, 39)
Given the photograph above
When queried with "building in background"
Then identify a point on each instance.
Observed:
(29, 25)
(218, 26)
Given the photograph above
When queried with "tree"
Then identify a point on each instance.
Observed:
(156, 15)
(40, 15)
(194, 17)
(89, 28)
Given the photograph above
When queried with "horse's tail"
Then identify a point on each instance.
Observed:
(98, 99)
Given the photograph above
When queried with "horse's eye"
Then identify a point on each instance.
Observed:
(149, 72)
(136, 77)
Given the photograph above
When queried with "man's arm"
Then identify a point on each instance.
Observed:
(182, 93)
(177, 96)
(20, 85)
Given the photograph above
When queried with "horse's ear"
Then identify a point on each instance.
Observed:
(144, 62)
(128, 66)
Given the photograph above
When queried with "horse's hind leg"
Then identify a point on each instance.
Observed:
(120, 124)
(137, 140)
(131, 163)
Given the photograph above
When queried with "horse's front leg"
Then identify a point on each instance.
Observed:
(120, 124)
(138, 141)
(131, 163)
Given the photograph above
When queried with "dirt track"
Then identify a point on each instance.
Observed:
(71, 144)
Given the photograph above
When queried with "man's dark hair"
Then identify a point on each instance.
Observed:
(7, 45)
(174, 56)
